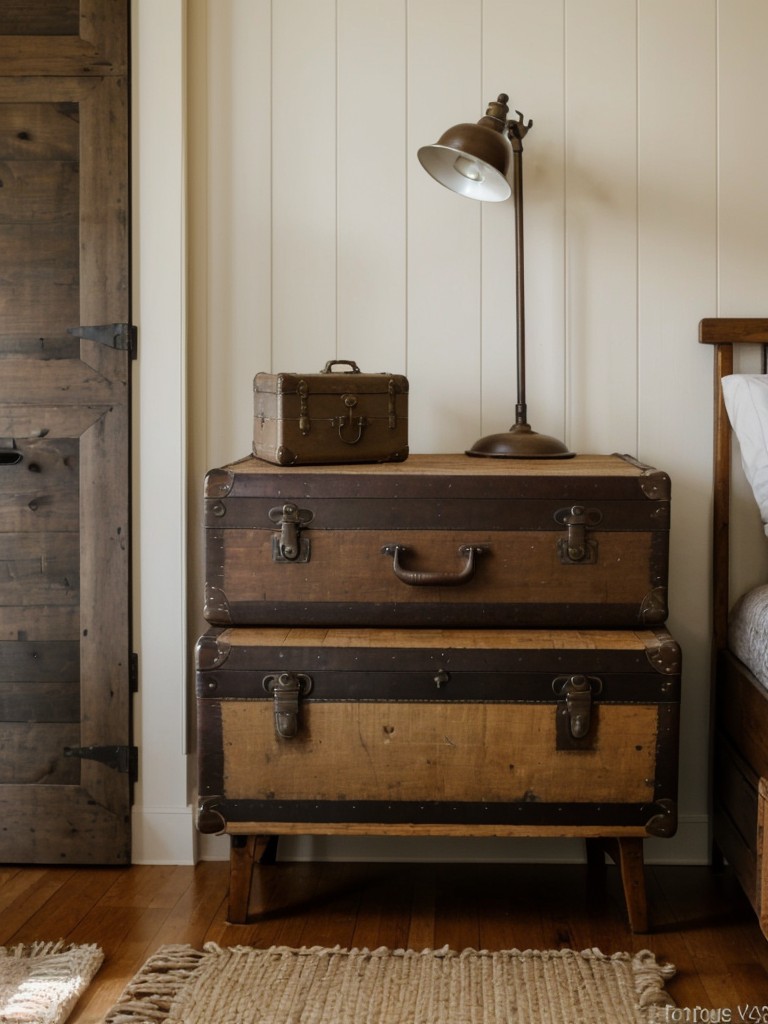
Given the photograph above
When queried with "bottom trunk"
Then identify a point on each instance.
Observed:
(438, 732)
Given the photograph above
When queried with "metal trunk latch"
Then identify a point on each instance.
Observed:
(575, 709)
(576, 547)
(354, 427)
(289, 545)
(286, 688)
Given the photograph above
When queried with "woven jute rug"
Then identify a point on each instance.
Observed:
(359, 986)
(41, 982)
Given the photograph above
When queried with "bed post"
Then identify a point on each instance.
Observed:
(711, 332)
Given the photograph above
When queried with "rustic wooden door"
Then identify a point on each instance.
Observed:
(65, 357)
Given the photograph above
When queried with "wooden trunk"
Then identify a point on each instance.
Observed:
(439, 540)
(438, 733)
(497, 732)
(330, 417)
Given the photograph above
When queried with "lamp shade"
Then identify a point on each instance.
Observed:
(471, 159)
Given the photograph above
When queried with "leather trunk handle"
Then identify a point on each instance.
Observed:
(414, 578)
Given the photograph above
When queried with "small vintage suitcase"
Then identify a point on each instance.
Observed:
(437, 732)
(330, 417)
(440, 540)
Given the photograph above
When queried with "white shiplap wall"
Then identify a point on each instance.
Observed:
(314, 234)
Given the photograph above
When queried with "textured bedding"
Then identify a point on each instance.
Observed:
(748, 632)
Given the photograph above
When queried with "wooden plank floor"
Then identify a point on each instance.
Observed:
(701, 920)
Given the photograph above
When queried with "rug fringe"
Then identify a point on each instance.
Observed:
(649, 979)
(644, 961)
(35, 949)
(151, 992)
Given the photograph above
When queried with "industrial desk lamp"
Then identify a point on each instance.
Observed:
(473, 160)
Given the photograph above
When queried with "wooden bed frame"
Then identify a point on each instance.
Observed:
(740, 703)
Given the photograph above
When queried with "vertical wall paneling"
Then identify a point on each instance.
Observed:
(743, 157)
(523, 57)
(371, 184)
(199, 431)
(444, 239)
(304, 168)
(238, 224)
(742, 219)
(601, 222)
(677, 246)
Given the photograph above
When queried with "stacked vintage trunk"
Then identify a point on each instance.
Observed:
(440, 646)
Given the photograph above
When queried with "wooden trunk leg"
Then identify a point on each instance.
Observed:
(628, 855)
(244, 851)
(632, 869)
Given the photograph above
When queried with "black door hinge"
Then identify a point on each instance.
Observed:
(121, 759)
(133, 672)
(123, 337)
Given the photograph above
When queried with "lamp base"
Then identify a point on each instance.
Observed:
(520, 442)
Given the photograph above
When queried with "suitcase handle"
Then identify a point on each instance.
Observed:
(341, 362)
(414, 578)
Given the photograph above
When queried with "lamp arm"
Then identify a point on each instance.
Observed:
(521, 411)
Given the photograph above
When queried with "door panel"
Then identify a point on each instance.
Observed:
(65, 653)
(64, 37)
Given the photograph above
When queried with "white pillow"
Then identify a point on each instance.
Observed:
(746, 401)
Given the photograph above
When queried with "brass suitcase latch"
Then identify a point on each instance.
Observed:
(286, 688)
(289, 545)
(576, 548)
(575, 711)
(353, 427)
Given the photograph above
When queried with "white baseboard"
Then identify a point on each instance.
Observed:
(689, 846)
(164, 835)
